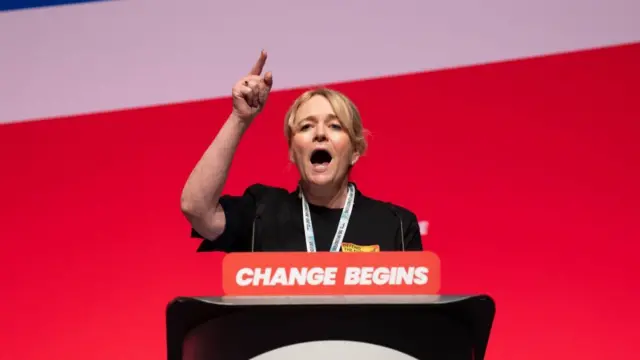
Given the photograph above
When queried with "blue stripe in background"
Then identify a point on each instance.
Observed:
(7, 5)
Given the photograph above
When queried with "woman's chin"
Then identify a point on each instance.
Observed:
(320, 179)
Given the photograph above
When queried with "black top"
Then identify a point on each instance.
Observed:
(277, 216)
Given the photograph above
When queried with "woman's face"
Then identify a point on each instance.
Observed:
(320, 145)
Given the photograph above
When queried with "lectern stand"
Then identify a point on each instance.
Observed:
(362, 327)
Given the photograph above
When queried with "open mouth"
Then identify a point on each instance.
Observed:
(320, 157)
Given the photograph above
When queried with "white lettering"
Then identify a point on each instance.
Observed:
(386, 276)
(352, 276)
(261, 276)
(330, 276)
(297, 276)
(382, 276)
(319, 276)
(420, 276)
(287, 276)
(366, 275)
(402, 276)
(314, 276)
(243, 277)
(279, 278)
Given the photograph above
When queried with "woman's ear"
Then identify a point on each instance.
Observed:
(355, 157)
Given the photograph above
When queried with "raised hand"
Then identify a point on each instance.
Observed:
(251, 92)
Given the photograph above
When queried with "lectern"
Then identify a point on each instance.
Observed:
(371, 327)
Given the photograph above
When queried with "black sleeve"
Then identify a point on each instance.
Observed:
(239, 212)
(412, 238)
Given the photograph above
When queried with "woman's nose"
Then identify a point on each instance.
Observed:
(320, 134)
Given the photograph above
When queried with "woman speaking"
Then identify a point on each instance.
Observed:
(326, 212)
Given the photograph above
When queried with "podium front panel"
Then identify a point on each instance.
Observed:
(402, 327)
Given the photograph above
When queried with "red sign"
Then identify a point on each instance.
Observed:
(287, 273)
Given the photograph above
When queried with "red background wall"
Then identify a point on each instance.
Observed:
(527, 172)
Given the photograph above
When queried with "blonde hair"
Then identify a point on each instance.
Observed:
(345, 110)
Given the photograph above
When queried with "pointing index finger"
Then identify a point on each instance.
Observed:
(257, 68)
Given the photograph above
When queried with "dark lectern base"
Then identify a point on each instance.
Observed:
(424, 327)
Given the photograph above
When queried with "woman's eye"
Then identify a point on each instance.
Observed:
(305, 127)
(336, 127)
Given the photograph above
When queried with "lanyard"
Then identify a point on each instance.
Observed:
(342, 225)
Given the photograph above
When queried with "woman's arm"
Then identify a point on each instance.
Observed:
(201, 193)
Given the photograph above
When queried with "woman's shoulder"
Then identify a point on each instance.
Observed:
(262, 191)
(378, 205)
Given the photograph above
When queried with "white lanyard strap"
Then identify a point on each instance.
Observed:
(342, 225)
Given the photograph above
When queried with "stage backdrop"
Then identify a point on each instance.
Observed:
(510, 128)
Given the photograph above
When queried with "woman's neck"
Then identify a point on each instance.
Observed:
(330, 195)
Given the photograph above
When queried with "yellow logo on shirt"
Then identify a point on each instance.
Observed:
(347, 247)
